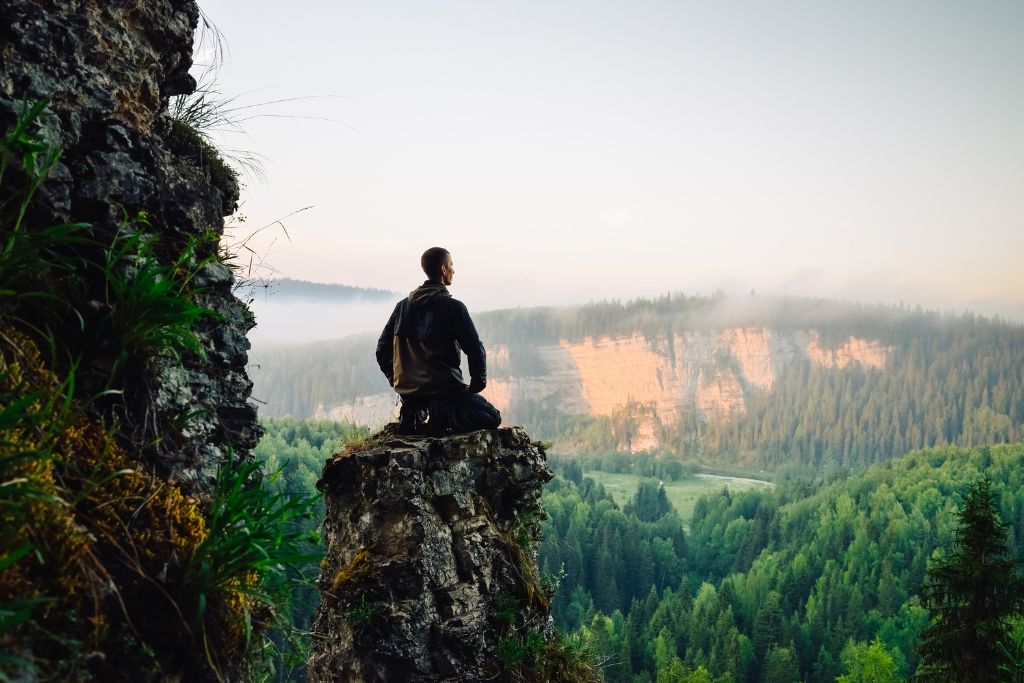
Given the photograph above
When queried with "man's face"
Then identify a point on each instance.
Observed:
(447, 271)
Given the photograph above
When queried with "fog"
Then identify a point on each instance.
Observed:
(284, 320)
(571, 152)
(294, 321)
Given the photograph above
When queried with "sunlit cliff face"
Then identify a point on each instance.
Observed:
(711, 371)
(616, 371)
(868, 353)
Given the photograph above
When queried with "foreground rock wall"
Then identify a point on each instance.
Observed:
(108, 69)
(121, 393)
(429, 557)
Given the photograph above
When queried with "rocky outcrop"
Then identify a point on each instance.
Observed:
(107, 70)
(122, 355)
(430, 569)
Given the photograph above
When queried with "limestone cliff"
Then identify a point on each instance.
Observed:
(711, 372)
(430, 571)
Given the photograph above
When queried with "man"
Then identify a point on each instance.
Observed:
(418, 352)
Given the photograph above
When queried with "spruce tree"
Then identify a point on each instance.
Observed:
(767, 626)
(972, 595)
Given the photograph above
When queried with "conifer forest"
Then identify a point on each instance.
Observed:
(812, 579)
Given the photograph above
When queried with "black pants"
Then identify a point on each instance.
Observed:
(454, 413)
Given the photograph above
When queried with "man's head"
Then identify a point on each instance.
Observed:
(437, 264)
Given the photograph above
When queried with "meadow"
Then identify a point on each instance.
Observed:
(683, 494)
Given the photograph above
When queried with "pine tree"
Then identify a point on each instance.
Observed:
(650, 502)
(780, 666)
(972, 594)
(767, 626)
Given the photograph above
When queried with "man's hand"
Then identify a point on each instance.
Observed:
(476, 386)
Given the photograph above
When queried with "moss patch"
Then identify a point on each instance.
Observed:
(357, 569)
(187, 142)
(108, 540)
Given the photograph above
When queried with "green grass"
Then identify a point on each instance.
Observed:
(683, 494)
(256, 546)
(152, 311)
(364, 615)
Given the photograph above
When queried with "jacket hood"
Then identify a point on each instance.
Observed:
(427, 292)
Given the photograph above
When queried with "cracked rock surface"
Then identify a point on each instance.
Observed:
(427, 542)
(107, 70)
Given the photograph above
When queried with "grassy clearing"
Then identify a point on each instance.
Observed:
(683, 494)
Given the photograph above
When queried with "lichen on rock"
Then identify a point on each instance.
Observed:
(430, 557)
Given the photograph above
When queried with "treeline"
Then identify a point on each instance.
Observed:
(797, 583)
(947, 380)
(286, 288)
(660, 318)
(617, 462)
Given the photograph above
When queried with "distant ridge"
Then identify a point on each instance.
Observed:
(287, 288)
(744, 381)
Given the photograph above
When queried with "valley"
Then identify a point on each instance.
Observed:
(683, 493)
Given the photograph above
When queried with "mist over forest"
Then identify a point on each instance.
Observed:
(296, 311)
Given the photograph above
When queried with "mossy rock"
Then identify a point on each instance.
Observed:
(107, 541)
(189, 143)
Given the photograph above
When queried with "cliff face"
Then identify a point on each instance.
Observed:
(108, 70)
(712, 372)
(122, 353)
(430, 571)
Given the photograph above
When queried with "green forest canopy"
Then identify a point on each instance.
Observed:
(821, 577)
(768, 579)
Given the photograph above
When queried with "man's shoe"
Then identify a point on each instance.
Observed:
(407, 424)
(438, 424)
(410, 420)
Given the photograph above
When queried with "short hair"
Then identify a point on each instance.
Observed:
(432, 260)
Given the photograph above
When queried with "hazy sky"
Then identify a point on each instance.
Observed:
(574, 150)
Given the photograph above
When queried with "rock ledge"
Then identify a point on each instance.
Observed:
(430, 556)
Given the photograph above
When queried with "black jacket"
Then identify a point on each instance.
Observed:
(418, 351)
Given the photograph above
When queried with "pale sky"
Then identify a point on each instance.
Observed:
(574, 150)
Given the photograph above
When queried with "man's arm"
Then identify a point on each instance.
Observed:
(469, 341)
(386, 348)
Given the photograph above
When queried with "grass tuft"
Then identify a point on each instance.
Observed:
(534, 658)
(150, 308)
(244, 569)
(205, 156)
(364, 616)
